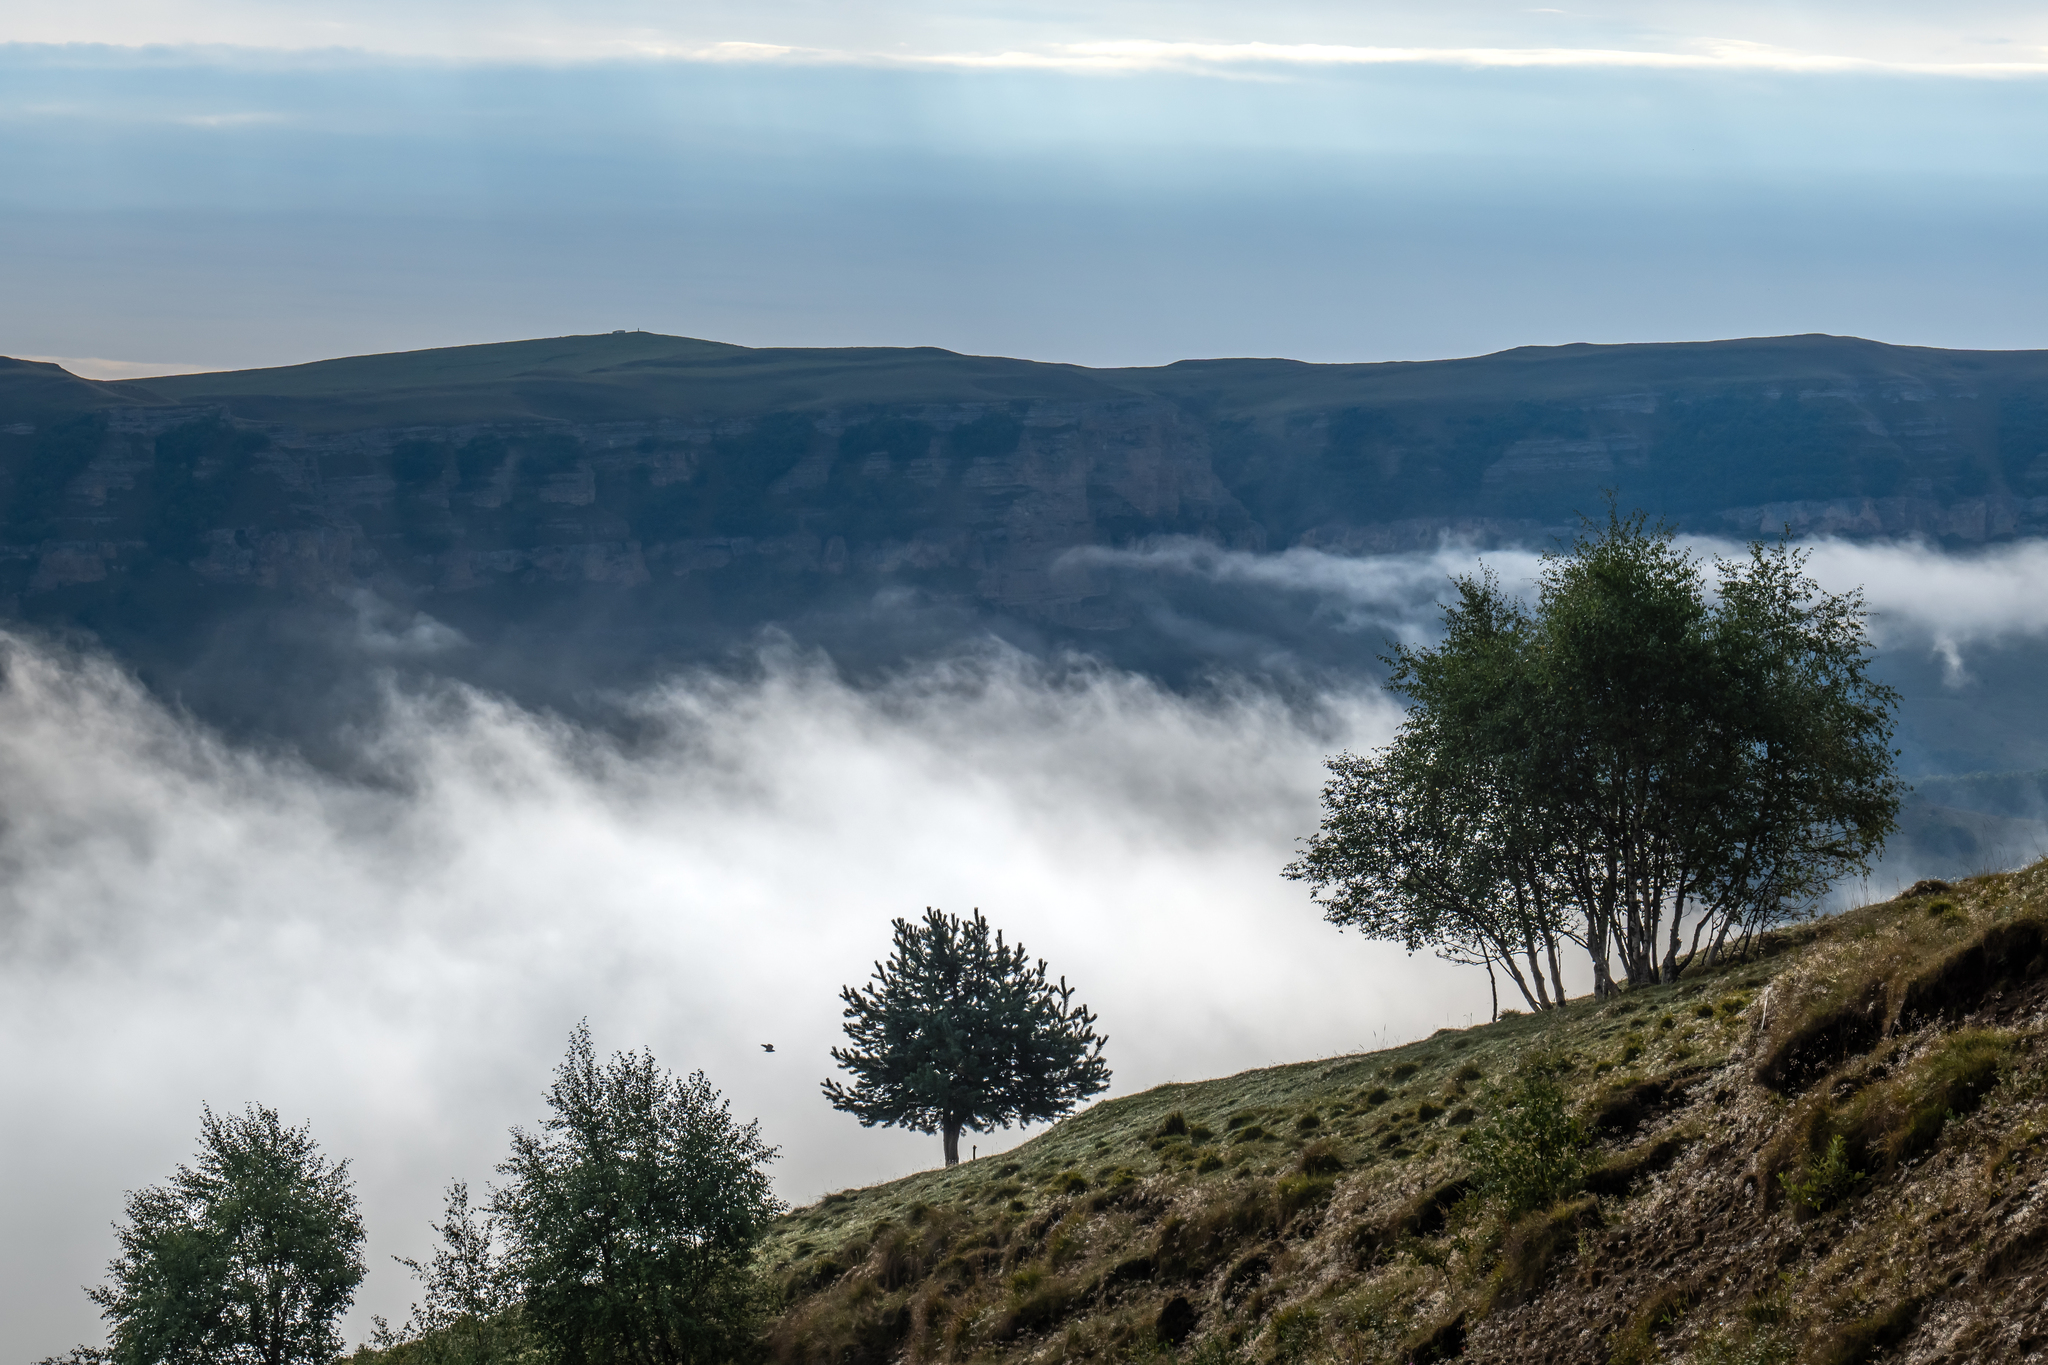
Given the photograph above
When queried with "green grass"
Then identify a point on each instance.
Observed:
(1153, 1230)
(1335, 1210)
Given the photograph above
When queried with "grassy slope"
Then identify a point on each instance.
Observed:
(639, 375)
(620, 377)
(1685, 1248)
(37, 390)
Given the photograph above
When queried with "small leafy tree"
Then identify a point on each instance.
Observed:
(1634, 757)
(1430, 842)
(470, 1315)
(631, 1217)
(959, 1030)
(1532, 1151)
(249, 1255)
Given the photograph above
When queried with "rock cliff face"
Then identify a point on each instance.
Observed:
(682, 486)
(985, 499)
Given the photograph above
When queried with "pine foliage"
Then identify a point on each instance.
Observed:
(960, 1030)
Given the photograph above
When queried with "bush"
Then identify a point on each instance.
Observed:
(1297, 1192)
(1825, 1179)
(1532, 1151)
(1320, 1158)
(1294, 1331)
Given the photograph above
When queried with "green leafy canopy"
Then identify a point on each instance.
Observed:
(248, 1256)
(958, 1030)
(631, 1217)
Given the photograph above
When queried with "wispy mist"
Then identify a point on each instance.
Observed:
(399, 957)
(401, 961)
(1920, 596)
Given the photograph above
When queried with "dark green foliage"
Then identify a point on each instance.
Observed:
(1532, 1151)
(1824, 1180)
(470, 1315)
(631, 1217)
(1429, 842)
(961, 1031)
(194, 482)
(1320, 1158)
(249, 1255)
(1625, 760)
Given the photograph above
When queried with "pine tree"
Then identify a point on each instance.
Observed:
(959, 1030)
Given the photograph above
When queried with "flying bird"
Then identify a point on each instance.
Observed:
(767, 1047)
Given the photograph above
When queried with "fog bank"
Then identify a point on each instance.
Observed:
(186, 922)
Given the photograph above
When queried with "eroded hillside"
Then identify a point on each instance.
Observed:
(1829, 1153)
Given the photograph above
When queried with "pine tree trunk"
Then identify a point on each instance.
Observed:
(952, 1143)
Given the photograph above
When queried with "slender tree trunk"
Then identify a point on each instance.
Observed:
(1670, 972)
(1507, 960)
(1536, 971)
(1596, 949)
(952, 1130)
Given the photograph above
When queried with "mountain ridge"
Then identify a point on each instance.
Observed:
(588, 511)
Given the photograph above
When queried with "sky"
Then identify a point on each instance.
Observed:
(191, 184)
(197, 184)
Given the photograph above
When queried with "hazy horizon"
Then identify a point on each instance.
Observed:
(1142, 184)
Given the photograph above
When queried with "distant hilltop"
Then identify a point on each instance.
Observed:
(663, 495)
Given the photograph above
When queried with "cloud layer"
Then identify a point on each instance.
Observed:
(1978, 38)
(1918, 595)
(400, 961)
(399, 957)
